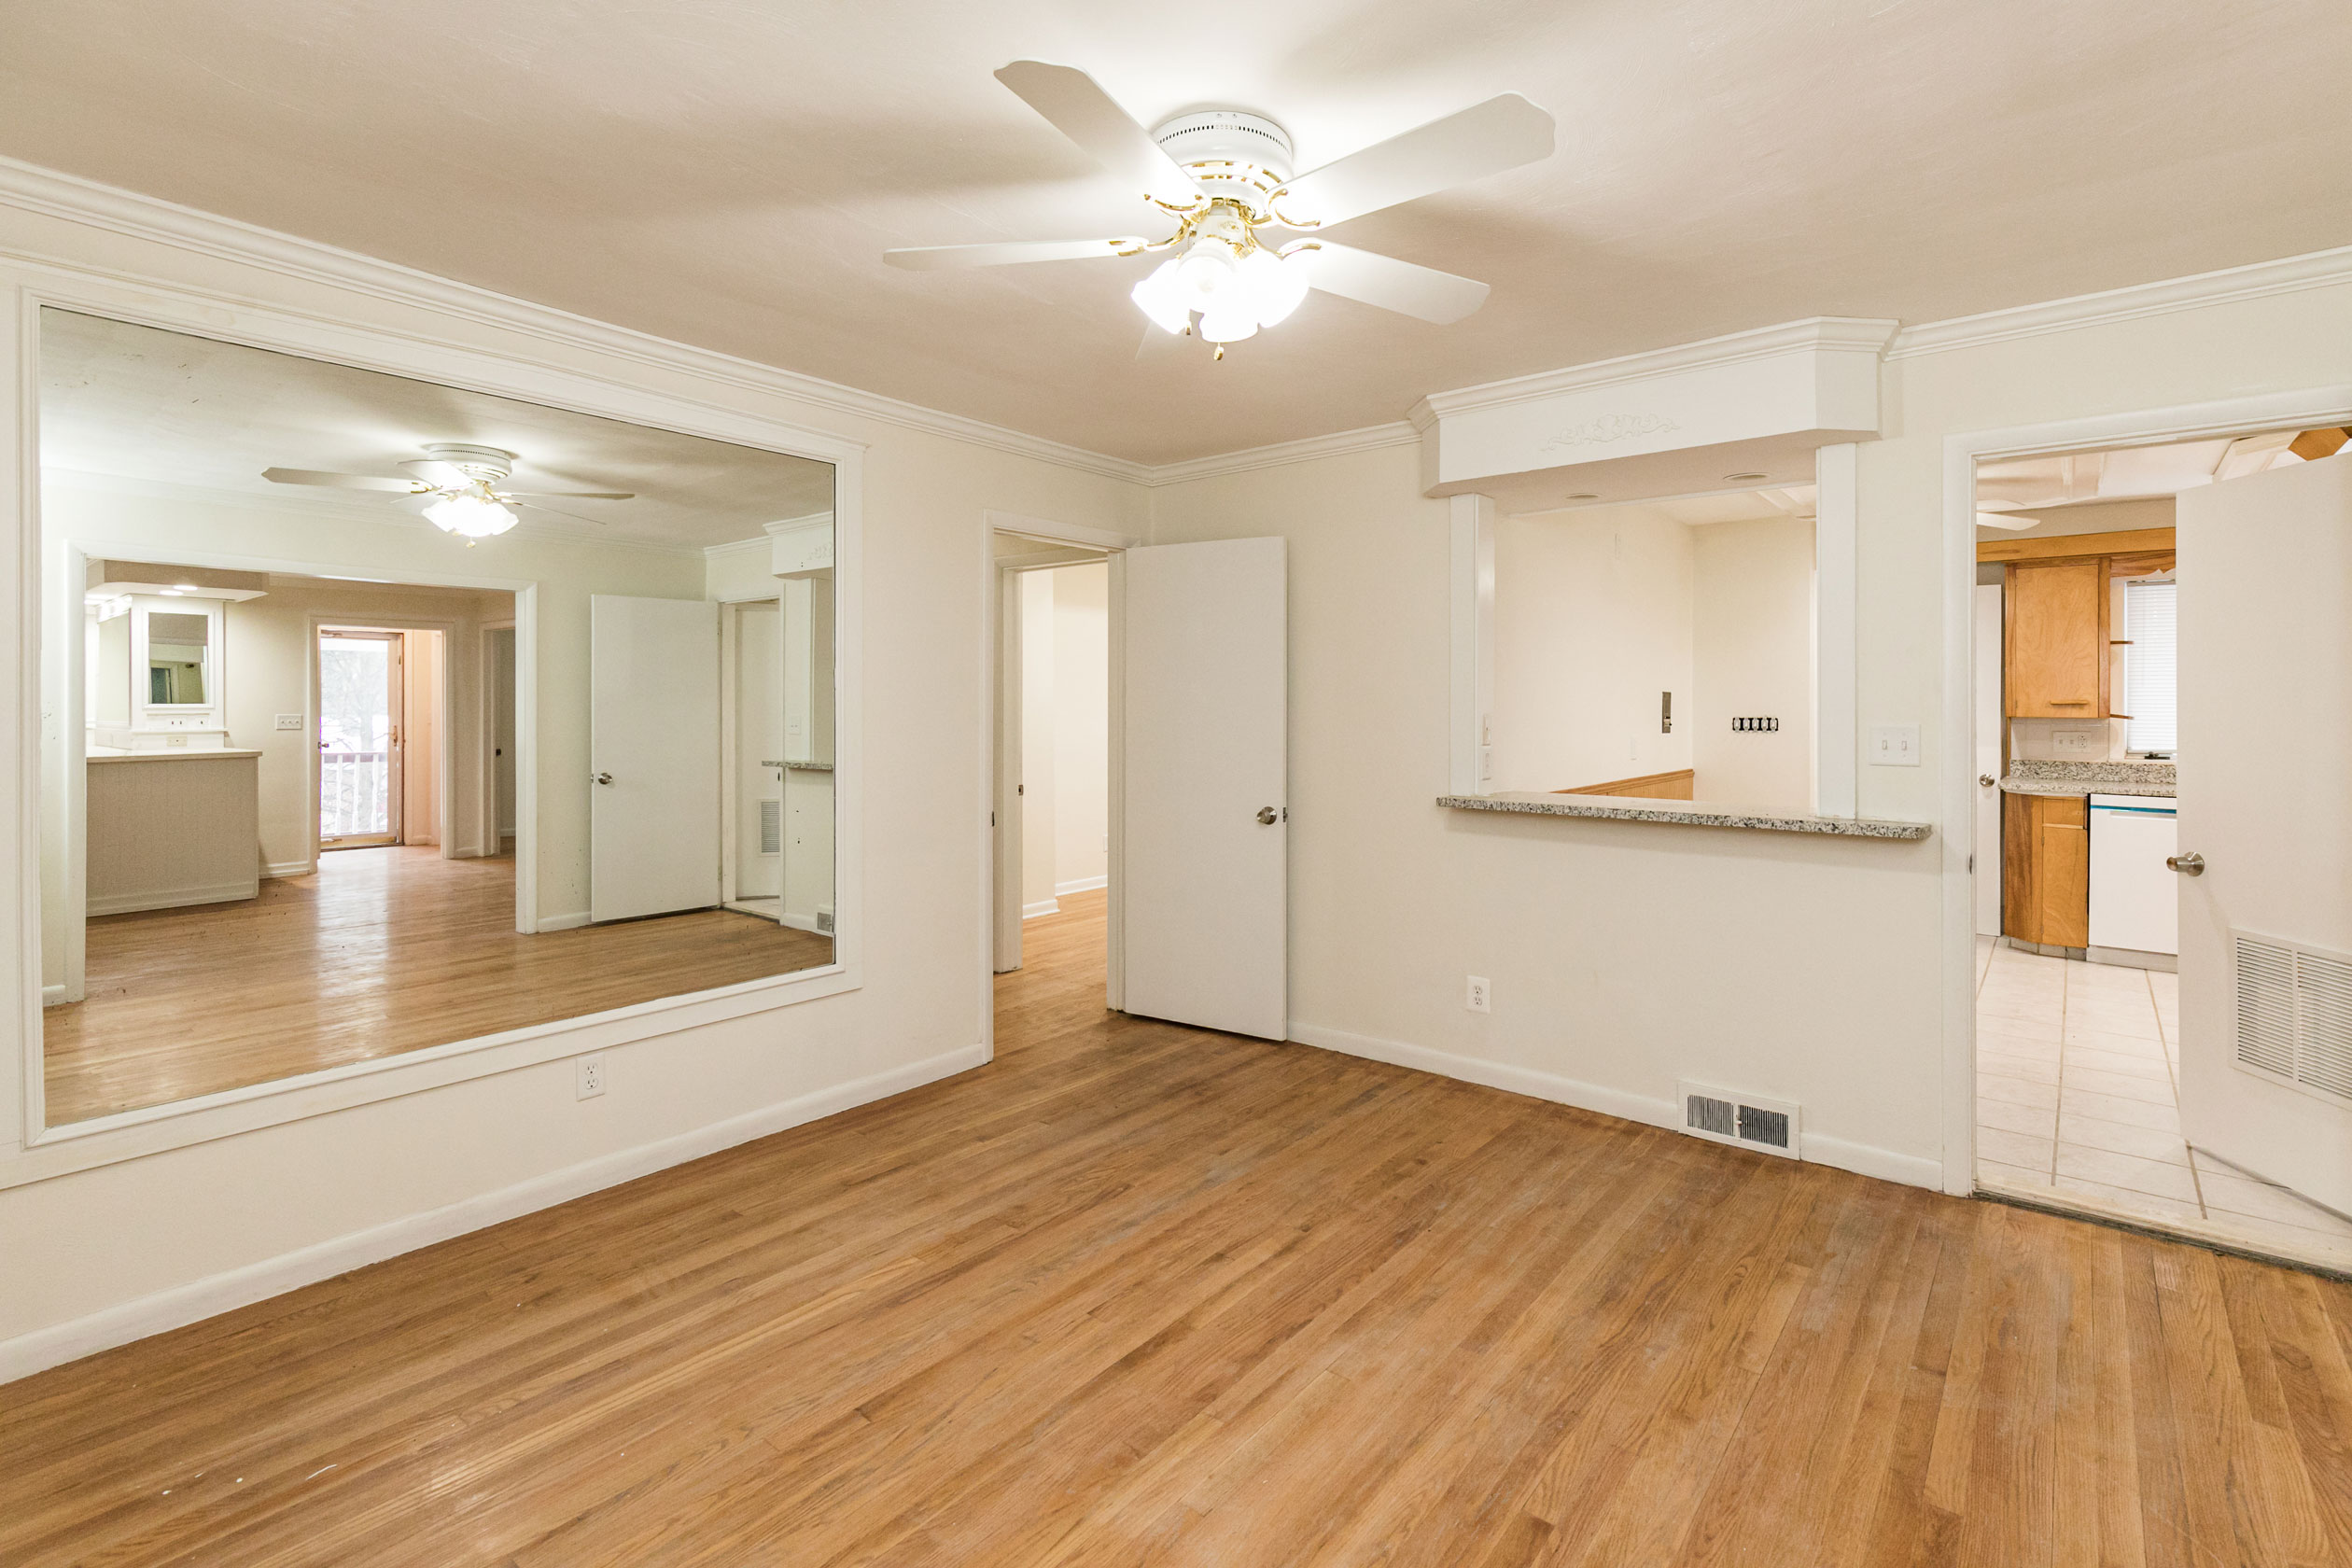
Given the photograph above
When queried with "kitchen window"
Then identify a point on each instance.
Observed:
(2151, 667)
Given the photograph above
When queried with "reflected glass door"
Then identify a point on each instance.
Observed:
(358, 739)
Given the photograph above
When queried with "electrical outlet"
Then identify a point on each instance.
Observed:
(1894, 745)
(2077, 743)
(1479, 997)
(591, 1070)
(290, 721)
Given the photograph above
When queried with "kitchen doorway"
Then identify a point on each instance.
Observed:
(362, 691)
(2090, 1098)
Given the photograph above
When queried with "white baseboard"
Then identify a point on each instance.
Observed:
(1861, 1158)
(572, 921)
(1082, 885)
(179, 898)
(289, 868)
(44, 1347)
(1042, 906)
(53, 996)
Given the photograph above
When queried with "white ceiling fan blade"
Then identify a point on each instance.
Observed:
(335, 481)
(1074, 104)
(574, 494)
(932, 259)
(2011, 521)
(1388, 283)
(1485, 139)
(540, 505)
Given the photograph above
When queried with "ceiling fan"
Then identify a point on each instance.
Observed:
(464, 481)
(1223, 174)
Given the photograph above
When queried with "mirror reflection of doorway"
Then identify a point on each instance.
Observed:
(360, 692)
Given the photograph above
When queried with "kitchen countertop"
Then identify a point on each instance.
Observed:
(1698, 813)
(2030, 775)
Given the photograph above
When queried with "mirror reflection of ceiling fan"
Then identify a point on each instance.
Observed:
(1224, 174)
(464, 483)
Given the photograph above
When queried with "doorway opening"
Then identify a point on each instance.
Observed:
(2120, 617)
(378, 722)
(1053, 808)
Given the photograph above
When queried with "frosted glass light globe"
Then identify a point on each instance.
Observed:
(471, 516)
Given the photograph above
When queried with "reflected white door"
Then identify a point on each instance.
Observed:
(1988, 759)
(653, 756)
(2265, 569)
(1206, 698)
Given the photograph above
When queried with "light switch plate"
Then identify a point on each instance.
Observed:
(290, 721)
(1894, 745)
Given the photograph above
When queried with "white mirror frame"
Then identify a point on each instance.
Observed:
(37, 1151)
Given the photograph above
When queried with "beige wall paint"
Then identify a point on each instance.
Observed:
(1592, 622)
(1081, 723)
(1038, 713)
(1752, 654)
(109, 1236)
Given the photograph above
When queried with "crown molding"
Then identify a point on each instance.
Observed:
(1338, 444)
(2318, 268)
(54, 194)
(737, 547)
(1836, 332)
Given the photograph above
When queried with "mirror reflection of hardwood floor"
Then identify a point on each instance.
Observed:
(1134, 1293)
(378, 952)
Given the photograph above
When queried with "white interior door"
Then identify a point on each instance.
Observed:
(2265, 567)
(1207, 694)
(653, 756)
(1988, 759)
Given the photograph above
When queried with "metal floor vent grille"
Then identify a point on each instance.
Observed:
(2294, 1014)
(1721, 1116)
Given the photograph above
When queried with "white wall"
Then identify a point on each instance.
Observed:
(226, 1210)
(1592, 622)
(1082, 725)
(1625, 955)
(1751, 655)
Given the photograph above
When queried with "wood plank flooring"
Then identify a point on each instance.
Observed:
(377, 952)
(1135, 1293)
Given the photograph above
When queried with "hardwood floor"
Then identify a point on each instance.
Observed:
(1138, 1293)
(378, 952)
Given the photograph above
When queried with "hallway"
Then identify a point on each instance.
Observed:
(1135, 1292)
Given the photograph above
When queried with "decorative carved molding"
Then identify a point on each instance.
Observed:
(1608, 429)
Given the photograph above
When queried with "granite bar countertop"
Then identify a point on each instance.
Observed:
(1699, 814)
(2030, 775)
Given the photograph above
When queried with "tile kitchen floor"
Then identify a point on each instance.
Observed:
(2077, 1099)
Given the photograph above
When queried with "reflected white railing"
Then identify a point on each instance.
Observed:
(354, 793)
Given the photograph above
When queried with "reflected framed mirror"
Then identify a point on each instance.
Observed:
(397, 717)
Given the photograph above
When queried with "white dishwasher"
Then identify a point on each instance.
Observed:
(2134, 896)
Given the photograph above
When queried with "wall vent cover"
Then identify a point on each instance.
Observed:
(2294, 1014)
(824, 921)
(1744, 1120)
(771, 827)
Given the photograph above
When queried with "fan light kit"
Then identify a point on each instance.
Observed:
(463, 481)
(1224, 174)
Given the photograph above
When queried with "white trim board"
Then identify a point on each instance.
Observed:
(44, 1347)
(1080, 885)
(1862, 1159)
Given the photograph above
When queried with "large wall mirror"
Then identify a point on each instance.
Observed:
(383, 715)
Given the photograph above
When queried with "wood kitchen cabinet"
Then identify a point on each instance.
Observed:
(2046, 869)
(2055, 639)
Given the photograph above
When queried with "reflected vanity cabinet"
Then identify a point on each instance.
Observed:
(2056, 637)
(157, 673)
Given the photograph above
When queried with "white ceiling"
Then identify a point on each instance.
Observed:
(135, 403)
(728, 174)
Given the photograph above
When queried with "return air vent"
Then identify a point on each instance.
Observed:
(771, 827)
(1721, 1116)
(2294, 1014)
(824, 921)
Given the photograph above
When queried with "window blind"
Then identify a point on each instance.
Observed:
(2151, 667)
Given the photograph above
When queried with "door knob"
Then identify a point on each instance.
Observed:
(1987, 780)
(600, 778)
(2191, 864)
(1267, 816)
